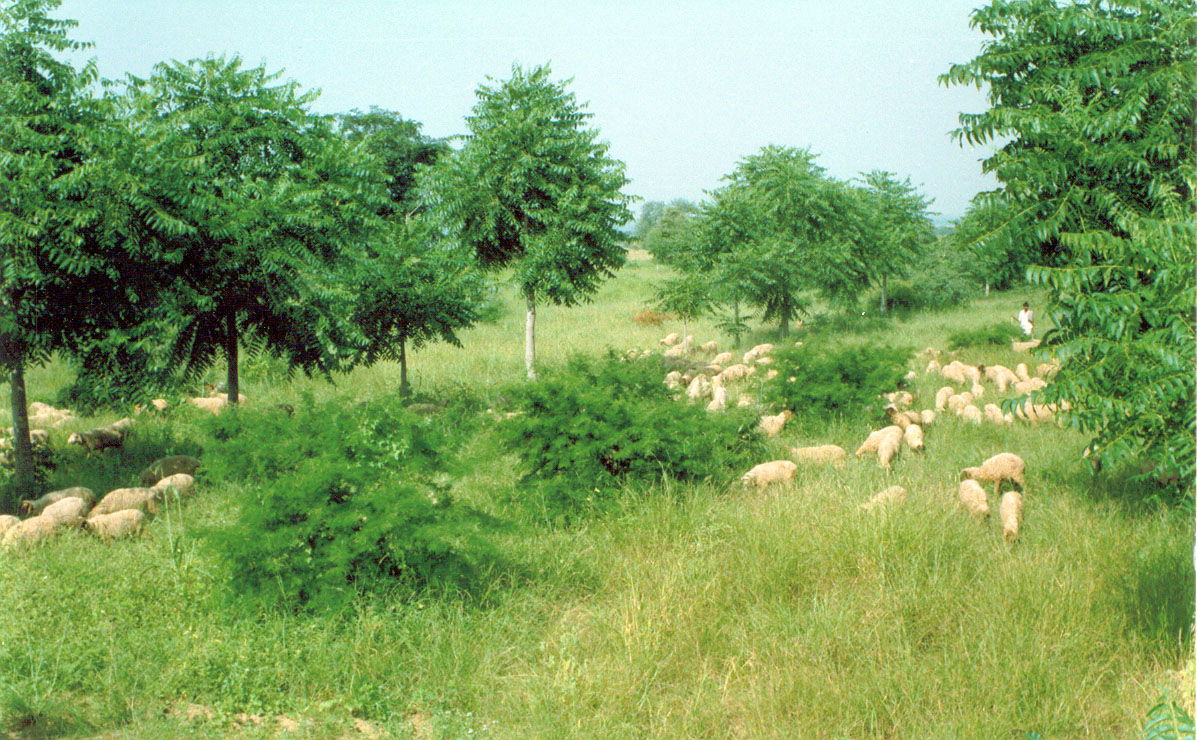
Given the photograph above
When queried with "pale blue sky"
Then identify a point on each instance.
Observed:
(681, 90)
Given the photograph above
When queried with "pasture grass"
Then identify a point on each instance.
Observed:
(681, 612)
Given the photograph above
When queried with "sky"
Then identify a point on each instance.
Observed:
(681, 90)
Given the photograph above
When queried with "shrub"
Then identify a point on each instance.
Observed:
(599, 423)
(845, 381)
(997, 334)
(349, 502)
(649, 317)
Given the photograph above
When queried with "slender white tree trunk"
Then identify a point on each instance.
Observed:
(884, 277)
(986, 288)
(530, 337)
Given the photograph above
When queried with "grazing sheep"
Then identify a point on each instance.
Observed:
(711, 347)
(887, 450)
(764, 361)
(896, 418)
(745, 400)
(971, 413)
(977, 390)
(942, 395)
(1020, 370)
(671, 339)
(734, 372)
(912, 375)
(676, 350)
(993, 413)
(772, 425)
(1000, 467)
(874, 440)
(1002, 376)
(1034, 412)
(1010, 511)
(700, 387)
(1034, 384)
(820, 454)
(891, 496)
(209, 404)
(100, 438)
(899, 399)
(758, 351)
(972, 497)
(954, 371)
(777, 471)
(723, 358)
(933, 367)
(67, 510)
(673, 381)
(914, 437)
(33, 529)
(956, 404)
(718, 399)
(37, 507)
(926, 417)
(181, 484)
(144, 499)
(713, 369)
(1047, 370)
(967, 396)
(7, 522)
(124, 523)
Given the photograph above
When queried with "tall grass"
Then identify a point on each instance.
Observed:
(682, 612)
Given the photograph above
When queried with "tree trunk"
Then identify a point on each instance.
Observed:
(987, 287)
(884, 278)
(404, 388)
(736, 320)
(530, 337)
(23, 476)
(784, 329)
(230, 351)
(685, 348)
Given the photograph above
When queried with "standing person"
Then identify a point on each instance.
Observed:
(1026, 320)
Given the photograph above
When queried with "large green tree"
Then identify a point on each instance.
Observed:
(1094, 101)
(269, 208)
(535, 190)
(897, 228)
(398, 147)
(77, 255)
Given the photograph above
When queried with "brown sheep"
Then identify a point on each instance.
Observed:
(69, 509)
(7, 522)
(1000, 467)
(37, 507)
(100, 438)
(33, 529)
(128, 498)
(887, 450)
(777, 471)
(169, 465)
(1010, 511)
(127, 522)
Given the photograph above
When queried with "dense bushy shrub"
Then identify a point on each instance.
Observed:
(348, 498)
(845, 381)
(598, 423)
(997, 334)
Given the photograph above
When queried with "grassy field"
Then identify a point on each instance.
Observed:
(704, 612)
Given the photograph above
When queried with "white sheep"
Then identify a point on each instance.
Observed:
(820, 455)
(7, 522)
(1000, 467)
(977, 390)
(887, 450)
(211, 405)
(676, 350)
(700, 387)
(1034, 384)
(36, 507)
(1046, 370)
(144, 499)
(181, 485)
(971, 413)
(127, 522)
(1024, 346)
(954, 371)
(772, 425)
(671, 339)
(777, 471)
(914, 437)
(67, 510)
(759, 350)
(673, 380)
(956, 403)
(723, 358)
(891, 496)
(733, 373)
(1010, 511)
(942, 395)
(972, 497)
(874, 440)
(718, 399)
(926, 417)
(896, 417)
(34, 529)
(1034, 412)
(711, 347)
(1021, 371)
(933, 367)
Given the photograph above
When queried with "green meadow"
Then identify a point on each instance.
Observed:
(705, 611)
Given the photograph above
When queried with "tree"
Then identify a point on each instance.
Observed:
(994, 258)
(1095, 101)
(650, 214)
(397, 146)
(269, 209)
(672, 231)
(534, 190)
(898, 227)
(686, 295)
(77, 256)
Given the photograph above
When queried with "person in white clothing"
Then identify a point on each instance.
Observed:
(1026, 320)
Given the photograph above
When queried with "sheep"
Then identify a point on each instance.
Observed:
(971, 413)
(967, 397)
(954, 371)
(956, 404)
(67, 510)
(182, 484)
(718, 399)
(972, 497)
(764, 361)
(671, 339)
(1034, 412)
(126, 522)
(874, 440)
(1046, 370)
(758, 351)
(1024, 346)
(1001, 376)
(7, 522)
(676, 350)
(914, 437)
(942, 395)
(772, 425)
(1000, 467)
(144, 499)
(723, 358)
(745, 400)
(1021, 371)
(713, 369)
(711, 347)
(38, 506)
(700, 387)
(889, 497)
(1034, 384)
(994, 414)
(733, 373)
(771, 375)
(209, 404)
(887, 450)
(160, 404)
(100, 438)
(933, 367)
(1010, 510)
(977, 390)
(821, 455)
(673, 380)
(926, 417)
(33, 529)
(896, 418)
(777, 471)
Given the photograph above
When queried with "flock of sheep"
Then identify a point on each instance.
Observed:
(717, 378)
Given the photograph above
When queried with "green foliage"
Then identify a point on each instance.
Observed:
(1097, 178)
(845, 381)
(1166, 721)
(340, 500)
(672, 233)
(399, 149)
(599, 424)
(997, 335)
(896, 227)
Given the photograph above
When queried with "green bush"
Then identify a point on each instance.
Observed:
(845, 381)
(998, 334)
(351, 499)
(600, 423)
